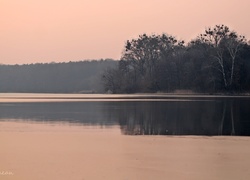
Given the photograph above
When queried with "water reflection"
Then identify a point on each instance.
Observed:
(218, 116)
(228, 117)
(85, 113)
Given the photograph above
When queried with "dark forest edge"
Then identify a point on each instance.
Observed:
(216, 62)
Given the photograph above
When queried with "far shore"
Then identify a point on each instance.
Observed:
(111, 95)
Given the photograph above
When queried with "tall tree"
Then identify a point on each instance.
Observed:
(224, 46)
(147, 57)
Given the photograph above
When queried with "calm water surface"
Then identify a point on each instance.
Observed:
(134, 114)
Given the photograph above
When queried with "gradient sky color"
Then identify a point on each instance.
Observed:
(34, 31)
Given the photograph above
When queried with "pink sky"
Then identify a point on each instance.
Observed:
(72, 30)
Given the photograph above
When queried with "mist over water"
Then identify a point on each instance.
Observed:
(134, 114)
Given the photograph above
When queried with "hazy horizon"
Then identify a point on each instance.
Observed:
(62, 31)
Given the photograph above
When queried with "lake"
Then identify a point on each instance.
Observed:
(127, 137)
(140, 114)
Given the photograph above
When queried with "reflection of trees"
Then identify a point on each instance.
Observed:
(169, 118)
(230, 119)
(143, 120)
(183, 118)
(216, 117)
(222, 119)
(86, 113)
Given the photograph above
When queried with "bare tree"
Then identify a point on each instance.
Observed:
(225, 46)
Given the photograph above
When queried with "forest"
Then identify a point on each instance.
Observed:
(71, 77)
(216, 61)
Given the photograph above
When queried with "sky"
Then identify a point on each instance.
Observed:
(43, 31)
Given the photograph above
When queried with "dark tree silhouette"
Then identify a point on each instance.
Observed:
(217, 60)
(225, 48)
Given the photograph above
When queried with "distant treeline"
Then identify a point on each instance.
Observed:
(218, 60)
(71, 77)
